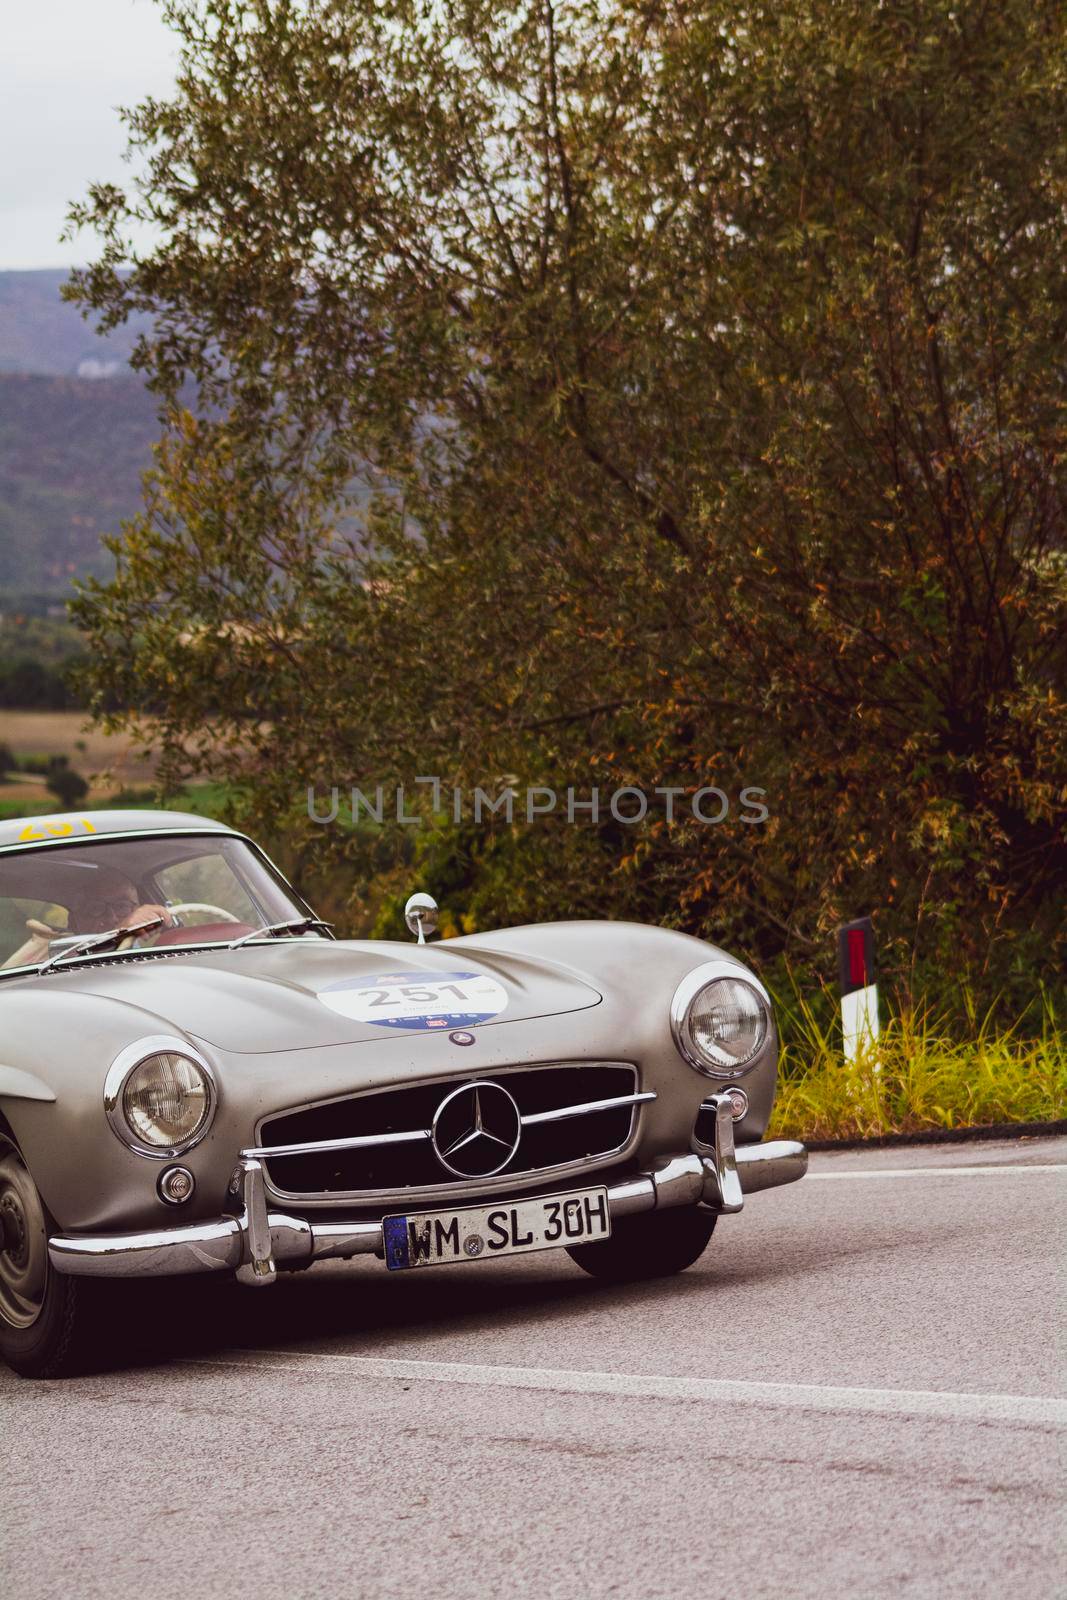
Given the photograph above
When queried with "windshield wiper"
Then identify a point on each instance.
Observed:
(98, 941)
(294, 925)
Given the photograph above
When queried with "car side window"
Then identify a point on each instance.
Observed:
(26, 929)
(210, 880)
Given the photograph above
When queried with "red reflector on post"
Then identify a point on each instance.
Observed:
(857, 958)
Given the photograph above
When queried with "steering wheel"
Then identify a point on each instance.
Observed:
(202, 905)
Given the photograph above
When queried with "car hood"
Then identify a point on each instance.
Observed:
(303, 994)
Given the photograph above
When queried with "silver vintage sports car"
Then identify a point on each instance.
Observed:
(196, 1077)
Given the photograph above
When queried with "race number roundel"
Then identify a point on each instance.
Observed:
(418, 999)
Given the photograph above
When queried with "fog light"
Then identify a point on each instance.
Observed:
(738, 1103)
(176, 1185)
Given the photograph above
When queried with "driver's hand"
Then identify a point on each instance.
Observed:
(146, 914)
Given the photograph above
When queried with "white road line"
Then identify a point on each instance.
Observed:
(936, 1172)
(1031, 1409)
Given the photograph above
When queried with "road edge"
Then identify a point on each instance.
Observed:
(991, 1130)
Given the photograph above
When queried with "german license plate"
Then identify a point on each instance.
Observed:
(479, 1233)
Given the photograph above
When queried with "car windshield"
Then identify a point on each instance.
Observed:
(203, 888)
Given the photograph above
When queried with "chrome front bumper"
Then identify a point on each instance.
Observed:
(255, 1241)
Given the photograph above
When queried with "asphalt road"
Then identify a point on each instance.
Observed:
(857, 1392)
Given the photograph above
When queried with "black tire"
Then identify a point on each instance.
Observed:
(48, 1321)
(64, 1340)
(654, 1244)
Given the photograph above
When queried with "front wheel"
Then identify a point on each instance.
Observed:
(47, 1320)
(653, 1244)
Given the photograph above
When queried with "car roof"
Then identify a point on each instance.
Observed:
(84, 826)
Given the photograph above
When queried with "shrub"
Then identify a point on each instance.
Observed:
(67, 785)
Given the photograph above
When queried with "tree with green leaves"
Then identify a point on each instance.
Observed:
(620, 393)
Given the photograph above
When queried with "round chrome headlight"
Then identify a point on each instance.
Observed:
(160, 1097)
(720, 1020)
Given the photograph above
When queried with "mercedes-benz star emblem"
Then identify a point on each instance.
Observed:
(476, 1130)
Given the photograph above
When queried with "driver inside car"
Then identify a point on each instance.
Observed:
(110, 901)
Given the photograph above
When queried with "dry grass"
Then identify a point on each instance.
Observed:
(927, 1072)
(28, 790)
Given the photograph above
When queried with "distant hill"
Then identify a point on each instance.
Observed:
(41, 333)
(71, 456)
(76, 430)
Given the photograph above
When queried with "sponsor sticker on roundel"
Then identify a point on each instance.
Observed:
(432, 1001)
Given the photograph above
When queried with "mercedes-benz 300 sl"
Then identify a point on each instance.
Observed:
(197, 1077)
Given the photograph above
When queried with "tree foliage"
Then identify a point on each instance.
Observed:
(619, 392)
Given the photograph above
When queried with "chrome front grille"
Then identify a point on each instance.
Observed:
(378, 1145)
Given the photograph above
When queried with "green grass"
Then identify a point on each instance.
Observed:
(208, 799)
(929, 1071)
(26, 808)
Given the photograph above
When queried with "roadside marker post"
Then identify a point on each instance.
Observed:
(858, 985)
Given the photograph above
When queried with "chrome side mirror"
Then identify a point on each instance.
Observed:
(420, 914)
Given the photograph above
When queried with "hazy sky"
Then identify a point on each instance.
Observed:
(64, 67)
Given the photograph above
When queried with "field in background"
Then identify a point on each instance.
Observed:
(109, 761)
(117, 774)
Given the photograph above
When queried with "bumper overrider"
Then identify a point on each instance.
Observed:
(254, 1241)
